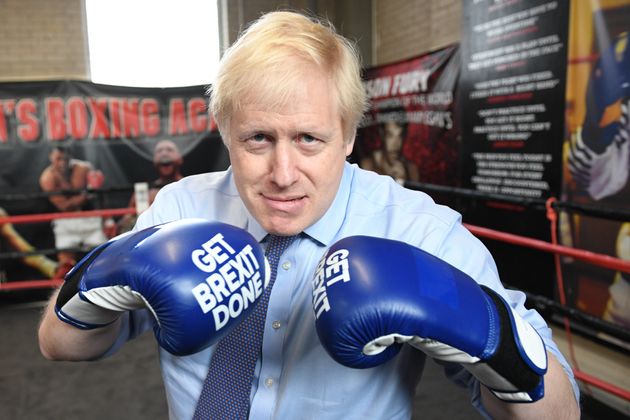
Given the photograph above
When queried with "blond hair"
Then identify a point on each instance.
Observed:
(268, 57)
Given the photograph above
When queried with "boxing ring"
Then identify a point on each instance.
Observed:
(31, 256)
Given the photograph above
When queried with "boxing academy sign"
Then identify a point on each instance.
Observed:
(114, 128)
(72, 110)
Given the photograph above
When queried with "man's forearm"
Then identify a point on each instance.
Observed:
(69, 203)
(558, 402)
(61, 341)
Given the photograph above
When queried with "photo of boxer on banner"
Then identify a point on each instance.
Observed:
(597, 154)
(389, 159)
(69, 175)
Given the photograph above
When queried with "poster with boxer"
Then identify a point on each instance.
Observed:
(116, 136)
(596, 158)
(410, 131)
(512, 88)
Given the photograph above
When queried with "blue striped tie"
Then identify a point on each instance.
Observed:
(227, 388)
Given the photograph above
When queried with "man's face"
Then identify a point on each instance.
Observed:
(166, 157)
(393, 136)
(288, 161)
(58, 160)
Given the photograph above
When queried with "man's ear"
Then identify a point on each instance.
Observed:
(350, 144)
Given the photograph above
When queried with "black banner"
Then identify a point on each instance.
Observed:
(114, 128)
(512, 90)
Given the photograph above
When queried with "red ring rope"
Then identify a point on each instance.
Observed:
(47, 217)
(588, 256)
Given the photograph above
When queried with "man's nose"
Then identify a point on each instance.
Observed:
(284, 164)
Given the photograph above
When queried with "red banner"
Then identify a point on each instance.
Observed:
(410, 132)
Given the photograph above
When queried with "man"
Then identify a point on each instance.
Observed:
(70, 175)
(288, 98)
(167, 160)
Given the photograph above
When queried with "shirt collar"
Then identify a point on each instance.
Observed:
(254, 228)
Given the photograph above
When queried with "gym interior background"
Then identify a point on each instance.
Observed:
(46, 41)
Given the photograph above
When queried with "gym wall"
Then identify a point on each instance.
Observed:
(43, 40)
(47, 39)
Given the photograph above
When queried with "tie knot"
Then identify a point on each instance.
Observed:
(276, 245)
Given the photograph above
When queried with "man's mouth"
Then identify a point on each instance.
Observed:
(276, 198)
(284, 203)
(165, 162)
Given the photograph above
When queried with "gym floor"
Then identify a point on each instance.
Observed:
(128, 385)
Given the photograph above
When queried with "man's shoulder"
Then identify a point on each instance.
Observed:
(211, 196)
(383, 191)
(46, 172)
(209, 183)
(380, 196)
(47, 179)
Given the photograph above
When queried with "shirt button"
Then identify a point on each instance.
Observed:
(276, 324)
(269, 382)
(286, 265)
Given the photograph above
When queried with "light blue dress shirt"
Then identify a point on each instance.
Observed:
(295, 378)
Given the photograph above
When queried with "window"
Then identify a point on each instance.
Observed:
(153, 43)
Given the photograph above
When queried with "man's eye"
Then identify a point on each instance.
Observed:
(258, 137)
(306, 138)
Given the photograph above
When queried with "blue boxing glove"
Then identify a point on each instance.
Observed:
(197, 278)
(371, 295)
